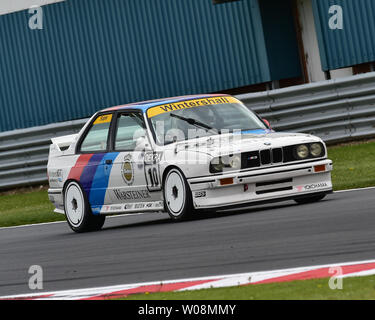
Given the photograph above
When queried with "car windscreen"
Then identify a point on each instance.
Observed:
(189, 120)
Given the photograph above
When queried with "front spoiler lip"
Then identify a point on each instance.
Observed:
(269, 201)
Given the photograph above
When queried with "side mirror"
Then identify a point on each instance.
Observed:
(142, 141)
(143, 144)
(267, 123)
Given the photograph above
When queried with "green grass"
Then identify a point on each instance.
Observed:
(353, 168)
(26, 208)
(361, 288)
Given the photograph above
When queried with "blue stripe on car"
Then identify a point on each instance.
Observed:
(260, 131)
(89, 171)
(100, 182)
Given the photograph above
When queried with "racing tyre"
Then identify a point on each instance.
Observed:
(311, 199)
(177, 196)
(78, 212)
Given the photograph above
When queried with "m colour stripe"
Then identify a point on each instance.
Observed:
(100, 182)
(89, 171)
(76, 172)
(93, 174)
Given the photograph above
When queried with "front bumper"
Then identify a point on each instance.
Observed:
(262, 185)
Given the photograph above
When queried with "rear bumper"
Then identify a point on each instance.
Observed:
(57, 199)
(262, 185)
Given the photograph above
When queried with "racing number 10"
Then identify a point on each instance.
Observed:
(152, 172)
(153, 175)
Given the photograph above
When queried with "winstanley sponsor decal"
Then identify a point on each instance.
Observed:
(131, 195)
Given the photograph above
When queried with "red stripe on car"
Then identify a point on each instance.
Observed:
(76, 171)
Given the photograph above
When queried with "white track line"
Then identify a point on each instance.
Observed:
(141, 213)
(32, 225)
(353, 190)
(56, 222)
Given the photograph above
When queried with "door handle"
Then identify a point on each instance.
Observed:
(108, 161)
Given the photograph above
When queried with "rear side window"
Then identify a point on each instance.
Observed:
(129, 127)
(97, 137)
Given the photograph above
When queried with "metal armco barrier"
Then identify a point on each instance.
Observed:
(24, 153)
(335, 110)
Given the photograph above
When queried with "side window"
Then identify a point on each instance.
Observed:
(129, 127)
(96, 138)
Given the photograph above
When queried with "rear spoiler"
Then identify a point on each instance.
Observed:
(64, 142)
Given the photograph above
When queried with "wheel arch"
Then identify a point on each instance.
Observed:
(169, 168)
(69, 181)
(66, 183)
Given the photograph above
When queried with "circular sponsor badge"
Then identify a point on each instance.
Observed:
(127, 170)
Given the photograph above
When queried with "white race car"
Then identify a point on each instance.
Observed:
(181, 155)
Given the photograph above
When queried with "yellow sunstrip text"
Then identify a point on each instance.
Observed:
(155, 111)
(103, 119)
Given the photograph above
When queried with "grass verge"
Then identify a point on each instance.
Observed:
(353, 165)
(353, 168)
(26, 208)
(361, 288)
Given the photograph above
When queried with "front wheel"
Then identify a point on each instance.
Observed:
(177, 196)
(78, 212)
(310, 199)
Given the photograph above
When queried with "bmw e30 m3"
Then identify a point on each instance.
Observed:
(181, 155)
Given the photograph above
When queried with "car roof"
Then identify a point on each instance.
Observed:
(145, 105)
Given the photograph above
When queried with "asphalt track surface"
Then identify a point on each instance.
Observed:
(150, 247)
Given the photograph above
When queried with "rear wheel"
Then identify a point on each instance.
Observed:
(177, 196)
(78, 212)
(310, 199)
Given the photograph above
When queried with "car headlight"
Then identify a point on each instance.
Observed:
(218, 164)
(316, 150)
(235, 162)
(302, 151)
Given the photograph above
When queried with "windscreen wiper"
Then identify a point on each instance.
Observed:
(194, 122)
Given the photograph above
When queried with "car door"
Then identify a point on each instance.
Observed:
(93, 167)
(128, 184)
